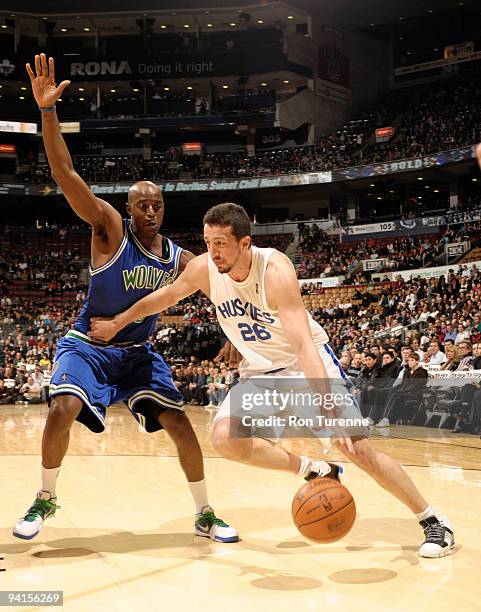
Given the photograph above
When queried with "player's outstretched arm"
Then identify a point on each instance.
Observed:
(86, 205)
(194, 277)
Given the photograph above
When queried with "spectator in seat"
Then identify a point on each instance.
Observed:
(465, 356)
(6, 393)
(412, 388)
(451, 333)
(30, 392)
(382, 382)
(363, 382)
(200, 390)
(465, 417)
(220, 386)
(355, 367)
(434, 356)
(416, 348)
(452, 356)
(462, 335)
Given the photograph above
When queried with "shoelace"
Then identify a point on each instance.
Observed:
(39, 508)
(212, 519)
(434, 531)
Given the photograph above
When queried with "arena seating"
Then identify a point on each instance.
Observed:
(426, 120)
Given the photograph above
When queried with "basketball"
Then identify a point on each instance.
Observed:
(323, 510)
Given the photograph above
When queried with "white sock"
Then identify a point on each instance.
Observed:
(306, 467)
(199, 493)
(422, 516)
(49, 482)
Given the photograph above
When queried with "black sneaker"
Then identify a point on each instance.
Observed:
(439, 540)
(319, 471)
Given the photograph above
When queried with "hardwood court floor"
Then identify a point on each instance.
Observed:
(123, 537)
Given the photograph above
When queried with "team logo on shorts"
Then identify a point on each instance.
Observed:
(64, 377)
(55, 367)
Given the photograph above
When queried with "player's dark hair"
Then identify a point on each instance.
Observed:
(232, 215)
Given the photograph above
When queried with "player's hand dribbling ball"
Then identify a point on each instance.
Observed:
(323, 510)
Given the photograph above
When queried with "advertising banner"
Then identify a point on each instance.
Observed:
(405, 165)
(308, 178)
(408, 225)
(130, 66)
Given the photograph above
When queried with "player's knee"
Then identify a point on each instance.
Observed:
(63, 411)
(176, 424)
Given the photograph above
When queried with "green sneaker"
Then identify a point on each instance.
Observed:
(29, 525)
(208, 525)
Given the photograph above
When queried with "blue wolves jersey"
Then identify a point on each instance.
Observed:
(132, 273)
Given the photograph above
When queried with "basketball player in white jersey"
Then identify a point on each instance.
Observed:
(260, 309)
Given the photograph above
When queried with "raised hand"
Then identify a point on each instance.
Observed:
(45, 91)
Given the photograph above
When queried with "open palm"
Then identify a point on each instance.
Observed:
(45, 91)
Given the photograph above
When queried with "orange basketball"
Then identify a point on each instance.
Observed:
(323, 510)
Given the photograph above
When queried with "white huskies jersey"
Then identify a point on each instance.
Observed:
(246, 319)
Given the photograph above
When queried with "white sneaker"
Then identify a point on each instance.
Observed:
(29, 525)
(325, 469)
(208, 525)
(439, 540)
(383, 423)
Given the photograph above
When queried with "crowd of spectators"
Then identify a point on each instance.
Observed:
(381, 338)
(438, 117)
(444, 116)
(437, 321)
(320, 255)
(41, 263)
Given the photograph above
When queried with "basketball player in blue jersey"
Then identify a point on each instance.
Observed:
(130, 259)
(260, 309)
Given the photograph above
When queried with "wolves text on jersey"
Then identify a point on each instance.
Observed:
(146, 277)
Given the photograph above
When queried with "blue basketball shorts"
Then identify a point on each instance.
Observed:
(102, 376)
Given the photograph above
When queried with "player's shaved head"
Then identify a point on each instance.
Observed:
(146, 206)
(144, 190)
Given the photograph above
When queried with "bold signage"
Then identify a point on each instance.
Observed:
(404, 165)
(8, 148)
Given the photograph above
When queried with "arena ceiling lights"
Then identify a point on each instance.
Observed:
(350, 14)
(274, 14)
